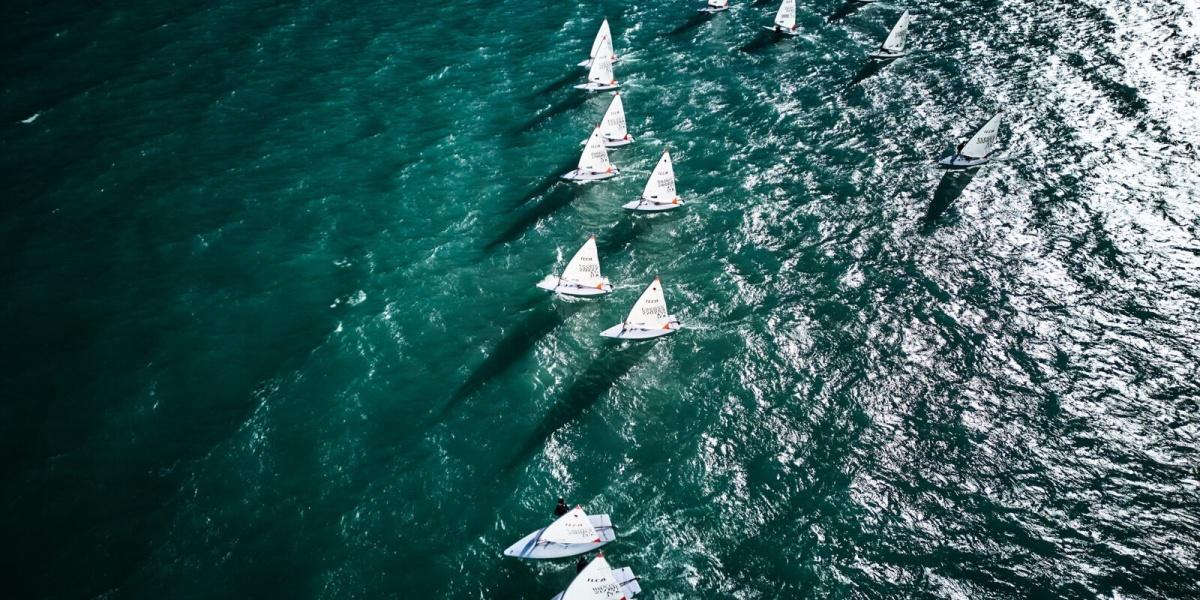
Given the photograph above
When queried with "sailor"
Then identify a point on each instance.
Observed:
(581, 564)
(961, 145)
(562, 508)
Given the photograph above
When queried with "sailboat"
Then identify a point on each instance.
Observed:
(785, 19)
(602, 43)
(977, 150)
(582, 276)
(612, 127)
(715, 6)
(659, 194)
(574, 533)
(648, 318)
(599, 581)
(593, 163)
(600, 76)
(893, 46)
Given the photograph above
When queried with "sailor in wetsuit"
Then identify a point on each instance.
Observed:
(562, 508)
(581, 564)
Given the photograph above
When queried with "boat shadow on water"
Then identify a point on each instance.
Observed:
(544, 317)
(869, 70)
(693, 22)
(573, 101)
(564, 81)
(762, 41)
(598, 379)
(546, 183)
(556, 199)
(845, 10)
(952, 185)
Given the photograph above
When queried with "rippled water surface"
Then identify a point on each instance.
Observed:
(272, 331)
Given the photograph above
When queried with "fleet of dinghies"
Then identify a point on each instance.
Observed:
(575, 532)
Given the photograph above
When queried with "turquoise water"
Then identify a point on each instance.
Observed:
(272, 329)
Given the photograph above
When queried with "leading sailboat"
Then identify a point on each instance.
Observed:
(602, 44)
(893, 46)
(659, 194)
(785, 19)
(593, 163)
(977, 150)
(573, 533)
(716, 6)
(582, 276)
(648, 318)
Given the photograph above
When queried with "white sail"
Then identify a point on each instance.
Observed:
(571, 528)
(984, 141)
(601, 36)
(584, 267)
(895, 39)
(718, 3)
(595, 157)
(661, 186)
(613, 125)
(786, 17)
(602, 70)
(595, 582)
(651, 308)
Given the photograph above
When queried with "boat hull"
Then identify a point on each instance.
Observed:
(593, 86)
(962, 162)
(790, 32)
(532, 548)
(578, 175)
(641, 205)
(884, 54)
(611, 143)
(618, 332)
(554, 284)
(714, 10)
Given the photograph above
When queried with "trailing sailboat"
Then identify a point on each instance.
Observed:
(715, 6)
(603, 44)
(581, 277)
(659, 194)
(648, 318)
(600, 76)
(612, 128)
(893, 46)
(593, 163)
(599, 581)
(978, 149)
(785, 19)
(573, 533)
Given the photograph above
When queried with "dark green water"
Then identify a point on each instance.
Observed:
(271, 328)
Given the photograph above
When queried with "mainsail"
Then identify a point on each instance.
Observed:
(571, 528)
(651, 308)
(661, 186)
(984, 141)
(895, 40)
(595, 157)
(595, 582)
(584, 268)
(613, 125)
(605, 34)
(786, 17)
(602, 70)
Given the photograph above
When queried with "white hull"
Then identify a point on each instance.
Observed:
(649, 206)
(962, 162)
(619, 331)
(593, 86)
(709, 9)
(532, 548)
(625, 578)
(884, 54)
(611, 143)
(567, 288)
(578, 175)
(791, 32)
